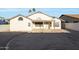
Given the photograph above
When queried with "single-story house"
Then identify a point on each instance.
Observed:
(37, 20)
(70, 18)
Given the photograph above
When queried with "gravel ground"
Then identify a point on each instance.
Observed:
(39, 41)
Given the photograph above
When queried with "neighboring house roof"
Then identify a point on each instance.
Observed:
(71, 15)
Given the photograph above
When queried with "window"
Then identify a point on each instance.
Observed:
(56, 24)
(20, 19)
(29, 24)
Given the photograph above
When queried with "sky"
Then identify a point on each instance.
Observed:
(11, 12)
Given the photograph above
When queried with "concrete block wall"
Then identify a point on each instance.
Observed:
(72, 26)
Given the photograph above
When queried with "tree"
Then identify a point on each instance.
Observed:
(33, 9)
(30, 11)
(2, 18)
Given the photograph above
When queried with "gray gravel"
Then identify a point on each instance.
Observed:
(39, 41)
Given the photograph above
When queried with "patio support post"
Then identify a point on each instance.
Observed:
(54, 24)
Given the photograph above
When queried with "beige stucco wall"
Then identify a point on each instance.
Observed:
(16, 25)
(59, 21)
(53, 23)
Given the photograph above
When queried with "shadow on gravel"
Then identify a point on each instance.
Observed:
(39, 41)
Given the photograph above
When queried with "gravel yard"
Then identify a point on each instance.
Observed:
(39, 41)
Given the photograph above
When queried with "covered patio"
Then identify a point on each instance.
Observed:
(42, 24)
